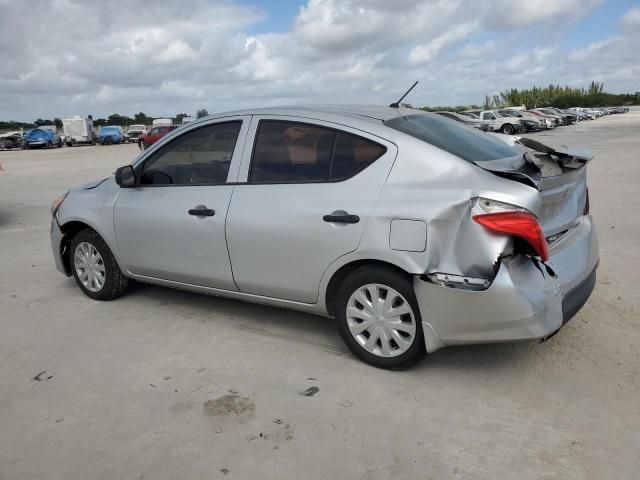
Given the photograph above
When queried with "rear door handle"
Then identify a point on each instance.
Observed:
(340, 216)
(202, 212)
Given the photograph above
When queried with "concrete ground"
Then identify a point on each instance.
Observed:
(163, 384)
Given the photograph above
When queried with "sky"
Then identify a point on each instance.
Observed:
(77, 57)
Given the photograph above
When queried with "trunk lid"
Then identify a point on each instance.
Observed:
(559, 174)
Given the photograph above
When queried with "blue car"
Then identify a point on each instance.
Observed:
(111, 134)
(42, 137)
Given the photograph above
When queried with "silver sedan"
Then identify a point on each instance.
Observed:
(414, 231)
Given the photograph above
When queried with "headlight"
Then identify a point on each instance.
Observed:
(57, 202)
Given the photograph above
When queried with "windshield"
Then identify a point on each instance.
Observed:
(513, 113)
(109, 130)
(453, 137)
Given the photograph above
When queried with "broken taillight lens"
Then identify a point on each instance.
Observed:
(517, 224)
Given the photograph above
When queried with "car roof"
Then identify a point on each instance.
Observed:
(372, 113)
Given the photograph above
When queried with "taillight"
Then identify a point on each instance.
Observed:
(586, 202)
(517, 224)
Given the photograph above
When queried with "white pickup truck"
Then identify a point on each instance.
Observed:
(507, 125)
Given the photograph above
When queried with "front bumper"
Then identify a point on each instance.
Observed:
(57, 237)
(522, 303)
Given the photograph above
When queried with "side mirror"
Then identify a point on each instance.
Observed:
(125, 176)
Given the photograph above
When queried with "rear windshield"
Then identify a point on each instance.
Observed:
(453, 137)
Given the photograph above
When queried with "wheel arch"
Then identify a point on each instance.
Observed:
(69, 230)
(331, 291)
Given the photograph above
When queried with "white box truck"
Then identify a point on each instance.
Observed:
(165, 122)
(78, 130)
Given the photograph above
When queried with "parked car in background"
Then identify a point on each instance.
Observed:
(525, 118)
(135, 131)
(78, 130)
(43, 136)
(472, 121)
(529, 125)
(554, 119)
(567, 118)
(111, 134)
(506, 125)
(583, 112)
(11, 140)
(579, 115)
(153, 135)
(328, 210)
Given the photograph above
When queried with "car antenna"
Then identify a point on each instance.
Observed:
(397, 104)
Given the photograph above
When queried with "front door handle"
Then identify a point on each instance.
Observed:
(340, 216)
(200, 211)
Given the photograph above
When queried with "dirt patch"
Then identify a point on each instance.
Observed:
(232, 407)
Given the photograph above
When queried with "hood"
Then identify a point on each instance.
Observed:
(90, 185)
(39, 134)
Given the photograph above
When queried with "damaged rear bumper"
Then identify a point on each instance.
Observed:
(522, 302)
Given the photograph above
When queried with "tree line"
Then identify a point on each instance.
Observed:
(561, 97)
(553, 95)
(114, 119)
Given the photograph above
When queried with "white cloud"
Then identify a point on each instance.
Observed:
(91, 57)
(475, 50)
(428, 51)
(631, 19)
(520, 13)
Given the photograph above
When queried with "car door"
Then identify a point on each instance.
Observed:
(308, 189)
(171, 225)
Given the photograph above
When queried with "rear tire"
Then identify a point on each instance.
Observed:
(507, 129)
(94, 267)
(379, 319)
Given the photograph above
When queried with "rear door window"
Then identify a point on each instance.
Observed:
(294, 152)
(467, 143)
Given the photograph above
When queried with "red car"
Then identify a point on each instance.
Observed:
(153, 135)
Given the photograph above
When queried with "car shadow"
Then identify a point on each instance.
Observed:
(493, 356)
(288, 325)
(320, 332)
(5, 218)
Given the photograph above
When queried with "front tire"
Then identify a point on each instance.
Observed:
(379, 319)
(95, 268)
